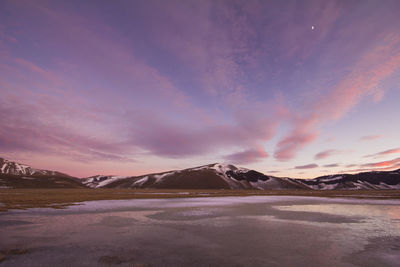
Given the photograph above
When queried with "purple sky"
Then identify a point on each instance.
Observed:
(291, 88)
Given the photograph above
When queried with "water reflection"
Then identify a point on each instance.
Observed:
(379, 220)
(247, 231)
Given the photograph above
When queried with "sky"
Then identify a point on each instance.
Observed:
(288, 88)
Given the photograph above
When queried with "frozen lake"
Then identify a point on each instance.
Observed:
(224, 231)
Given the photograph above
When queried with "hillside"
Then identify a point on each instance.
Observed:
(212, 176)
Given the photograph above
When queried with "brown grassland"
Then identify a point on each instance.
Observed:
(61, 198)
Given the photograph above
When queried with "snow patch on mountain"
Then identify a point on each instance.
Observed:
(101, 180)
(10, 167)
(330, 178)
(223, 169)
(140, 182)
(161, 176)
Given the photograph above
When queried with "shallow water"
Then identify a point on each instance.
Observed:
(223, 231)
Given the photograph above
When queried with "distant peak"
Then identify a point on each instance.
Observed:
(15, 168)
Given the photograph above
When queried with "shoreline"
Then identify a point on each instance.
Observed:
(12, 199)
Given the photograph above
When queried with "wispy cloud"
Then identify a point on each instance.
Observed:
(327, 153)
(384, 153)
(376, 65)
(384, 166)
(387, 163)
(308, 166)
(334, 165)
(179, 140)
(24, 130)
(296, 140)
(351, 165)
(183, 79)
(247, 156)
(370, 137)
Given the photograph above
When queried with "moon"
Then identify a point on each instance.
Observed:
(312, 27)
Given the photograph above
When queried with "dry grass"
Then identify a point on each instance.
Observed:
(60, 198)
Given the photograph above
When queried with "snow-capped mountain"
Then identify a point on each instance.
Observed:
(17, 175)
(364, 180)
(212, 176)
(11, 167)
(225, 176)
(99, 181)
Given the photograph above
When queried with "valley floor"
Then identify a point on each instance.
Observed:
(61, 198)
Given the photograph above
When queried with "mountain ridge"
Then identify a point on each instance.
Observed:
(210, 176)
(17, 175)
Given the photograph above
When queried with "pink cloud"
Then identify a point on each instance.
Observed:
(157, 132)
(371, 137)
(327, 153)
(50, 121)
(384, 153)
(32, 67)
(299, 137)
(247, 156)
(178, 140)
(388, 163)
(216, 51)
(376, 65)
(395, 166)
(22, 131)
(288, 147)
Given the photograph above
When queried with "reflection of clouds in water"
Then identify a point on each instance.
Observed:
(394, 212)
(197, 212)
(216, 201)
(346, 209)
(379, 220)
(226, 231)
(139, 204)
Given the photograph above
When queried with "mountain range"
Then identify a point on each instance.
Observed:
(212, 176)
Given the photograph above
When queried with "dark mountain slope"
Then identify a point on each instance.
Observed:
(15, 175)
